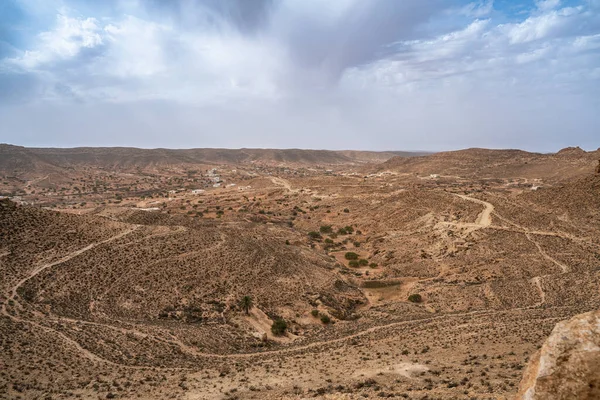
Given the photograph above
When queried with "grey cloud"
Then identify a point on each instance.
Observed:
(357, 37)
(248, 16)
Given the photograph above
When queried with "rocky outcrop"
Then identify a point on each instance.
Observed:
(568, 364)
(571, 151)
(598, 168)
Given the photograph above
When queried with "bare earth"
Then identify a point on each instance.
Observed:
(121, 275)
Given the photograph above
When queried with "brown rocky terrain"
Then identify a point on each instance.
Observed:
(44, 160)
(435, 277)
(566, 164)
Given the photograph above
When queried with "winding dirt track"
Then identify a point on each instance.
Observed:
(483, 220)
(537, 281)
(183, 347)
(13, 294)
(283, 182)
(74, 254)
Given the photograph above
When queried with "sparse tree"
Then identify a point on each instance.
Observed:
(246, 304)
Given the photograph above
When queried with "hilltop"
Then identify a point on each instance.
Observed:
(485, 163)
(44, 160)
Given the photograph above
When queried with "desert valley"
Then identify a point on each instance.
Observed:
(291, 274)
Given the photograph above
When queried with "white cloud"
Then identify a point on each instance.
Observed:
(136, 48)
(65, 41)
(546, 25)
(546, 5)
(478, 9)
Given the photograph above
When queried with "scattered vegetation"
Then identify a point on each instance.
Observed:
(415, 298)
(315, 235)
(246, 303)
(326, 229)
(279, 327)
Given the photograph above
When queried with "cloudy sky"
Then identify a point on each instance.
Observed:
(334, 74)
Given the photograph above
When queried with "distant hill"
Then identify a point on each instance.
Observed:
(485, 163)
(23, 159)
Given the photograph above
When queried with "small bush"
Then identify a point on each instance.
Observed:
(415, 298)
(325, 319)
(314, 235)
(373, 265)
(349, 229)
(351, 256)
(362, 262)
(279, 327)
(353, 264)
(315, 313)
(346, 210)
(325, 229)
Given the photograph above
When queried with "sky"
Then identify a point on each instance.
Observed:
(319, 74)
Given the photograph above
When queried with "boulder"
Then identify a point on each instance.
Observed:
(568, 364)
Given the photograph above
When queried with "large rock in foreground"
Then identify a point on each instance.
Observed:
(568, 364)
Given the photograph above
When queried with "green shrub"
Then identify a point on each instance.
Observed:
(373, 265)
(351, 256)
(315, 313)
(349, 229)
(415, 298)
(314, 235)
(325, 319)
(279, 327)
(353, 264)
(362, 262)
(325, 229)
(346, 210)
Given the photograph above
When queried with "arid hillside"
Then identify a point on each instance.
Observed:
(165, 276)
(293, 281)
(47, 160)
(493, 164)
